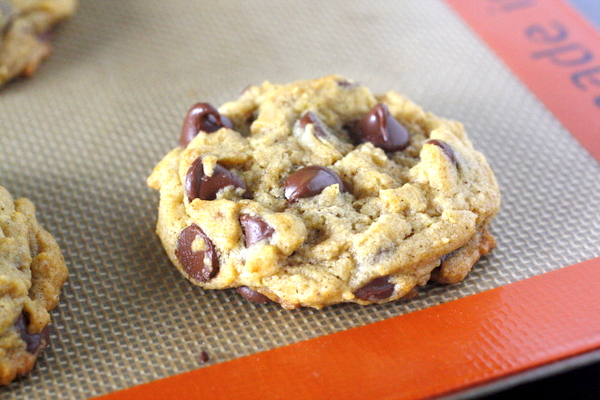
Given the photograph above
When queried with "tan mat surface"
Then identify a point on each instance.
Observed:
(81, 137)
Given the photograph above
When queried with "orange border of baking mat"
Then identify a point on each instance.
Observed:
(553, 49)
(423, 354)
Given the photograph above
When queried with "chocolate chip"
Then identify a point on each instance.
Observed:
(445, 147)
(382, 129)
(378, 289)
(33, 341)
(197, 254)
(198, 185)
(252, 295)
(446, 256)
(310, 181)
(310, 118)
(255, 229)
(307, 118)
(204, 358)
(345, 83)
(202, 117)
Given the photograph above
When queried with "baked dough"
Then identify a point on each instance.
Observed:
(320, 192)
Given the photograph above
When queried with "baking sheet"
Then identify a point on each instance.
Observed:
(81, 137)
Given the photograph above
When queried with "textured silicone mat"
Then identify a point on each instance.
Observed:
(80, 139)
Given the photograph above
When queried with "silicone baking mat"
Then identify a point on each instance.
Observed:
(81, 137)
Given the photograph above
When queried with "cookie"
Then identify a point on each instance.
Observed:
(32, 273)
(24, 29)
(320, 192)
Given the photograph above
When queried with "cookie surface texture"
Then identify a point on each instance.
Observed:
(320, 192)
(24, 29)
(32, 273)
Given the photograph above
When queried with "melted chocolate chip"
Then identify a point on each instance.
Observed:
(345, 83)
(197, 254)
(198, 185)
(204, 358)
(378, 289)
(252, 295)
(33, 341)
(445, 256)
(310, 118)
(202, 117)
(446, 149)
(382, 129)
(310, 181)
(448, 255)
(255, 229)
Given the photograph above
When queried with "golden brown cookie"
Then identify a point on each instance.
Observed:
(24, 25)
(320, 192)
(32, 273)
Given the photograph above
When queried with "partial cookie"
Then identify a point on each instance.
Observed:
(319, 192)
(24, 28)
(32, 273)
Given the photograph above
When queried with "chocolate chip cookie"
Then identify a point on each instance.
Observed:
(24, 28)
(320, 192)
(32, 273)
